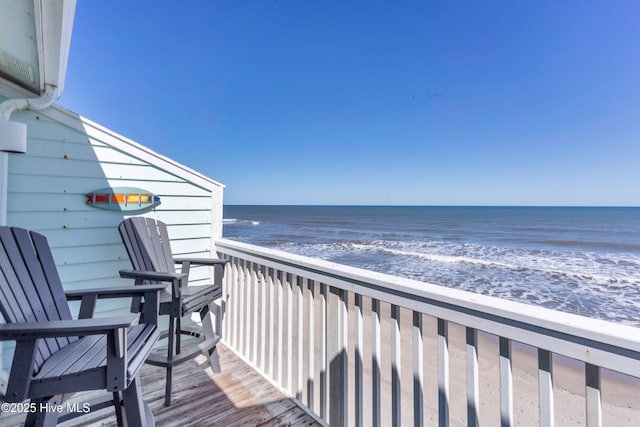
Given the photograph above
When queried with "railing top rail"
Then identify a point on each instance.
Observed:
(587, 339)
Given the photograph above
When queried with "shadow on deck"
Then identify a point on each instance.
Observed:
(238, 396)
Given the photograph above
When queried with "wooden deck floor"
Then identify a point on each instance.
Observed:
(238, 396)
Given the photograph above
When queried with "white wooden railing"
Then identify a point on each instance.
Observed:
(351, 346)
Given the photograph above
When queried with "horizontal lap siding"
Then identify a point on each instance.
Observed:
(68, 157)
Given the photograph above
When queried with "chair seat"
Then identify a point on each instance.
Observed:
(85, 360)
(193, 298)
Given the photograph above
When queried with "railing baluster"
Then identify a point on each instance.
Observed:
(247, 309)
(272, 321)
(263, 317)
(229, 315)
(593, 398)
(236, 292)
(288, 293)
(396, 367)
(418, 370)
(279, 326)
(545, 385)
(237, 305)
(338, 330)
(473, 387)
(375, 363)
(506, 384)
(300, 285)
(323, 351)
(443, 373)
(255, 288)
(241, 307)
(242, 304)
(248, 313)
(358, 364)
(225, 300)
(216, 307)
(312, 343)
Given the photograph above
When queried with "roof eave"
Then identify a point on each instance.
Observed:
(34, 50)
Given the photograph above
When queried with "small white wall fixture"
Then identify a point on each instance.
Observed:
(13, 137)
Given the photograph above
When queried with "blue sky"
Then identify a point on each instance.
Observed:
(373, 102)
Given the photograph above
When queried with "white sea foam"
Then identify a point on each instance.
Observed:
(240, 221)
(447, 259)
(594, 284)
(593, 267)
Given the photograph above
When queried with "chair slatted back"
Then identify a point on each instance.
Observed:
(30, 288)
(147, 243)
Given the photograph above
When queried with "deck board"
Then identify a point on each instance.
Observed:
(238, 396)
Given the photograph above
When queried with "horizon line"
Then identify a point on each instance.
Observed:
(428, 205)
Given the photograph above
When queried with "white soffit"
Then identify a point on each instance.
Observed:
(19, 58)
(35, 37)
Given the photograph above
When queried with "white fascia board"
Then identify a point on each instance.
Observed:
(56, 18)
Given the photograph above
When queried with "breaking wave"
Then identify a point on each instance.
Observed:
(606, 286)
(228, 221)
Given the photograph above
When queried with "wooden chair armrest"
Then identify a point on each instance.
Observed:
(201, 261)
(89, 299)
(218, 266)
(116, 292)
(64, 328)
(176, 279)
(152, 275)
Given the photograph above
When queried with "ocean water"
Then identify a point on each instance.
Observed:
(578, 260)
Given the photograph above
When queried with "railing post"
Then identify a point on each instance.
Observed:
(337, 329)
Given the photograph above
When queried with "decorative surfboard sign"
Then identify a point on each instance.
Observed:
(128, 199)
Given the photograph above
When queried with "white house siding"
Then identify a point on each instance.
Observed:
(68, 157)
